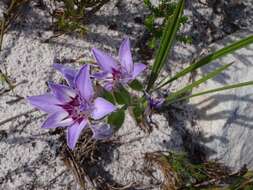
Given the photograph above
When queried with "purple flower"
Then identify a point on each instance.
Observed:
(154, 103)
(114, 73)
(73, 106)
(67, 72)
(102, 131)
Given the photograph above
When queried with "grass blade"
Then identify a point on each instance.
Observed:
(198, 82)
(228, 87)
(4, 78)
(168, 37)
(209, 58)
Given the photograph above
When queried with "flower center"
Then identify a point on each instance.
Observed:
(116, 74)
(78, 109)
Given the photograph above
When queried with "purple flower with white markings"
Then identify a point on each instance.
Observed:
(74, 106)
(154, 103)
(101, 131)
(114, 72)
(68, 73)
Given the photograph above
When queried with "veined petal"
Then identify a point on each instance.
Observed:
(106, 80)
(101, 131)
(126, 78)
(73, 133)
(102, 108)
(106, 62)
(68, 73)
(47, 102)
(125, 55)
(100, 75)
(108, 85)
(58, 119)
(84, 84)
(63, 93)
(138, 68)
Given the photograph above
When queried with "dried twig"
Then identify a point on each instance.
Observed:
(16, 116)
(171, 179)
(71, 163)
(219, 179)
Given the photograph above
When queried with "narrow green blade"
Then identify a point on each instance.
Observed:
(4, 78)
(209, 58)
(228, 87)
(168, 37)
(198, 82)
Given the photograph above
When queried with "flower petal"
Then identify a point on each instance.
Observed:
(106, 62)
(102, 108)
(108, 85)
(58, 119)
(156, 103)
(63, 93)
(101, 131)
(138, 68)
(106, 80)
(73, 133)
(47, 102)
(100, 75)
(84, 84)
(125, 55)
(67, 72)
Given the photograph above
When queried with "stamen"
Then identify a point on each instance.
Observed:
(78, 109)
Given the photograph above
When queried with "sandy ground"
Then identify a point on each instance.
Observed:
(224, 118)
(29, 156)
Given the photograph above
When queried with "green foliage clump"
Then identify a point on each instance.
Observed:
(164, 10)
(73, 16)
(181, 173)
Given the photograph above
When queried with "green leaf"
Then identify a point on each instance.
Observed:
(209, 58)
(152, 43)
(147, 2)
(166, 42)
(227, 87)
(184, 39)
(198, 82)
(69, 4)
(183, 20)
(149, 23)
(116, 119)
(136, 85)
(108, 96)
(2, 77)
(122, 96)
(138, 113)
(138, 109)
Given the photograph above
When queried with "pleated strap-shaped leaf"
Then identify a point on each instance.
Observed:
(227, 87)
(188, 88)
(208, 59)
(169, 35)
